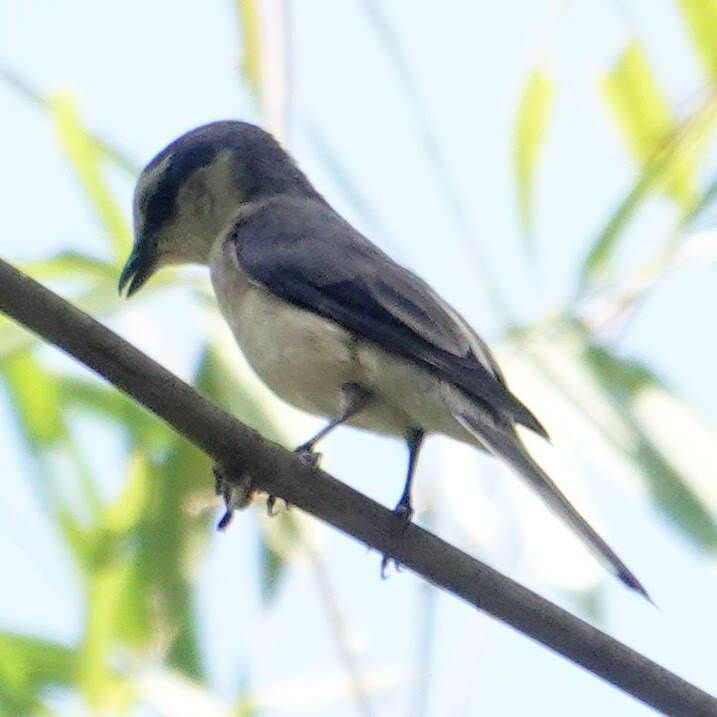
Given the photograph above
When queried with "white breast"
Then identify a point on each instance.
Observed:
(305, 359)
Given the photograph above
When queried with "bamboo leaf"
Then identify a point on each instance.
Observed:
(171, 539)
(216, 379)
(706, 201)
(701, 19)
(25, 89)
(529, 134)
(109, 404)
(606, 241)
(641, 112)
(101, 298)
(626, 382)
(248, 16)
(143, 542)
(96, 678)
(123, 514)
(220, 382)
(643, 116)
(117, 535)
(71, 264)
(86, 160)
(272, 568)
(645, 428)
(28, 665)
(668, 152)
(683, 148)
(35, 399)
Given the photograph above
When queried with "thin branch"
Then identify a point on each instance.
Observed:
(279, 472)
(18, 83)
(338, 627)
(445, 182)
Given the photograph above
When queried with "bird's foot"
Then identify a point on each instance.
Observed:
(235, 488)
(270, 503)
(386, 561)
(400, 520)
(307, 455)
(402, 515)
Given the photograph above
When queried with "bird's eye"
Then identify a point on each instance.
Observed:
(198, 194)
(204, 203)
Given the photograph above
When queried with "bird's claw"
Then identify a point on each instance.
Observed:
(307, 456)
(402, 515)
(400, 520)
(236, 493)
(385, 562)
(270, 503)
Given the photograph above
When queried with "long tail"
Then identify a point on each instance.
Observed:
(506, 444)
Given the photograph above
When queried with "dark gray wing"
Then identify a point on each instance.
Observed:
(307, 254)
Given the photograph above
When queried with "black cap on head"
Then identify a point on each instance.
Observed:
(263, 167)
(260, 168)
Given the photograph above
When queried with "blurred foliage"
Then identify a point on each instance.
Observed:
(701, 19)
(531, 124)
(248, 22)
(135, 553)
(86, 157)
(666, 149)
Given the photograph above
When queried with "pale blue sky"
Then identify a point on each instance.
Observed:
(143, 73)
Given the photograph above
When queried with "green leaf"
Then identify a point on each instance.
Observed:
(684, 147)
(100, 299)
(606, 241)
(706, 201)
(71, 264)
(107, 402)
(668, 167)
(215, 378)
(530, 126)
(86, 159)
(641, 423)
(625, 382)
(78, 539)
(280, 538)
(701, 19)
(124, 513)
(171, 542)
(272, 569)
(645, 120)
(249, 24)
(28, 665)
(641, 112)
(107, 589)
(20, 85)
(35, 399)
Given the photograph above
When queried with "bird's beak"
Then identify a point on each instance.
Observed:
(139, 267)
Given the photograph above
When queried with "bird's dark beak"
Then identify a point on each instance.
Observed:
(139, 267)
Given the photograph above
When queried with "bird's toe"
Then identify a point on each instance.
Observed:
(235, 489)
(307, 455)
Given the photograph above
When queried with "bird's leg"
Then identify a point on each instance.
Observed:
(353, 399)
(403, 510)
(414, 439)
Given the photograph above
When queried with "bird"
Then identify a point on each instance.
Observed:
(328, 321)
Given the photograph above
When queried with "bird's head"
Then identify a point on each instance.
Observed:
(193, 188)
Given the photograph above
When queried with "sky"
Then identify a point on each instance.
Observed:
(142, 73)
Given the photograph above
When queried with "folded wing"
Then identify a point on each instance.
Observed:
(305, 253)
